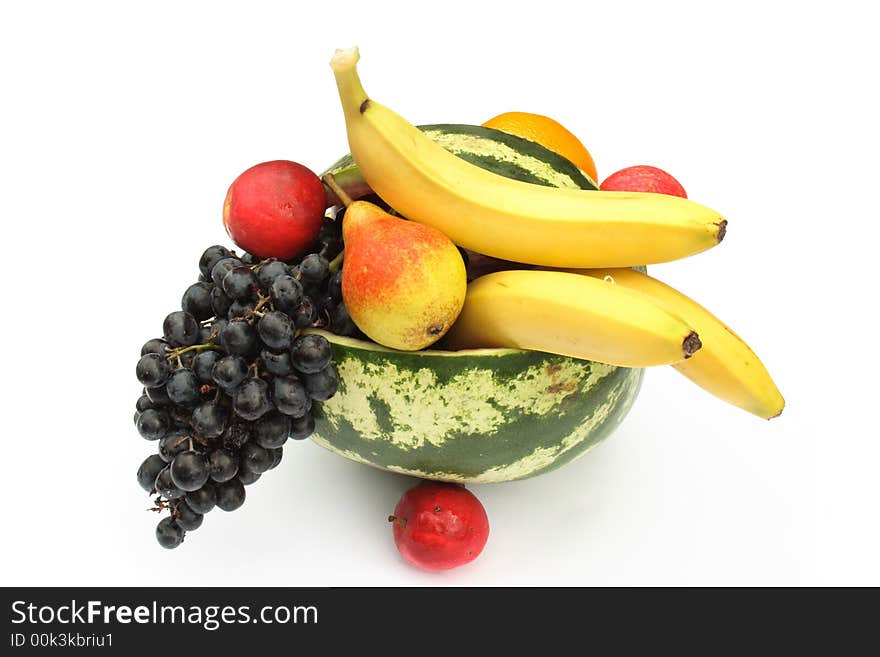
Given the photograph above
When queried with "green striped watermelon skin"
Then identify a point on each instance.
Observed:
(490, 149)
(478, 416)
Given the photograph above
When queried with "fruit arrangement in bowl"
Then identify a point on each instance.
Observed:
(459, 303)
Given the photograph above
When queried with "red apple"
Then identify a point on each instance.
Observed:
(274, 209)
(643, 178)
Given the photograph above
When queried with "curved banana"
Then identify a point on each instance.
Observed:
(571, 315)
(725, 366)
(509, 219)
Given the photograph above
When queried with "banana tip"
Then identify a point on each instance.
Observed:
(722, 229)
(778, 413)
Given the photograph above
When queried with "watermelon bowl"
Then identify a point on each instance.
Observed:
(471, 416)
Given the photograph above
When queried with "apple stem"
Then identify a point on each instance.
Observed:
(400, 521)
(330, 181)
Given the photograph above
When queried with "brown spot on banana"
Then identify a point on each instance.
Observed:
(691, 344)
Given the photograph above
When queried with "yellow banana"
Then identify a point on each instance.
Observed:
(572, 315)
(509, 219)
(725, 366)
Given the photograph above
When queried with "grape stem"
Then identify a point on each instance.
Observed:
(336, 264)
(176, 353)
(262, 302)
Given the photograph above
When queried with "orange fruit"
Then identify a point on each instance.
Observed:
(549, 133)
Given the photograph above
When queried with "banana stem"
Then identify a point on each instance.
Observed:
(330, 181)
(354, 98)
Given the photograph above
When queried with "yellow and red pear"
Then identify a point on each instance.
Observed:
(403, 283)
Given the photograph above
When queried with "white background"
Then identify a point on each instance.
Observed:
(124, 123)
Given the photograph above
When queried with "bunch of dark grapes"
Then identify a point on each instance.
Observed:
(235, 376)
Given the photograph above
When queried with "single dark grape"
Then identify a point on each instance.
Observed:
(313, 291)
(290, 396)
(187, 518)
(341, 322)
(165, 486)
(153, 424)
(229, 372)
(180, 415)
(217, 326)
(313, 268)
(222, 464)
(329, 247)
(223, 267)
(205, 333)
(230, 495)
(302, 427)
(331, 226)
(247, 477)
(238, 338)
(287, 293)
(267, 273)
(251, 399)
(310, 353)
(209, 419)
(328, 303)
(172, 445)
(183, 387)
(276, 330)
(189, 470)
(211, 256)
(322, 385)
(276, 454)
(181, 329)
(169, 533)
(159, 396)
(277, 364)
(240, 283)
(152, 370)
(197, 301)
(240, 308)
(305, 314)
(203, 499)
(203, 365)
(334, 286)
(144, 403)
(155, 346)
(220, 303)
(149, 470)
(254, 458)
(237, 433)
(249, 258)
(271, 430)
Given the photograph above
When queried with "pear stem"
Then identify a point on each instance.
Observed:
(330, 181)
